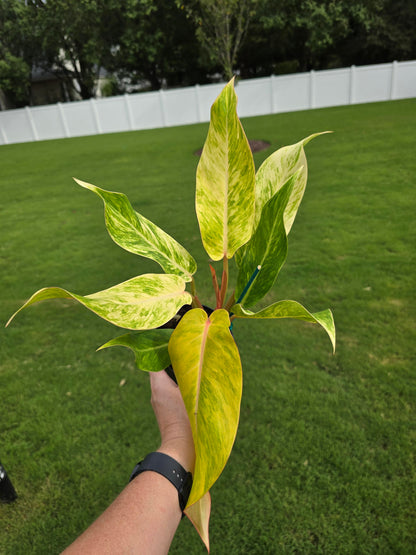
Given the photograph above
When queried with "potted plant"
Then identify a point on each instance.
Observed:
(242, 215)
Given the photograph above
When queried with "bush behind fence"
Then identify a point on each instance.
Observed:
(165, 108)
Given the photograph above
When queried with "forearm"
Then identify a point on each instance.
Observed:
(142, 519)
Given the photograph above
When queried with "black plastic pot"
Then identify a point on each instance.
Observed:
(172, 325)
(7, 491)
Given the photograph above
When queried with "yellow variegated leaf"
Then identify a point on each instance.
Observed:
(291, 309)
(143, 302)
(275, 171)
(207, 366)
(225, 181)
(199, 514)
(135, 233)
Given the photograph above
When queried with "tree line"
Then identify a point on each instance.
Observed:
(155, 43)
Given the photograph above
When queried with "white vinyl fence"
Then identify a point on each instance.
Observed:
(268, 95)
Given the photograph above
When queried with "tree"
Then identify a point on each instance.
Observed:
(221, 26)
(75, 39)
(157, 45)
(16, 52)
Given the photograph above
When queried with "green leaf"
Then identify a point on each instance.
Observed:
(225, 181)
(276, 170)
(291, 309)
(142, 302)
(207, 366)
(150, 348)
(267, 247)
(136, 234)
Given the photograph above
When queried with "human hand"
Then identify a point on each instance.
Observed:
(173, 421)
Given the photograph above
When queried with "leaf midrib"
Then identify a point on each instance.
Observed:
(137, 216)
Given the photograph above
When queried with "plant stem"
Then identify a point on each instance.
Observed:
(193, 287)
(224, 280)
(216, 288)
(196, 303)
(230, 302)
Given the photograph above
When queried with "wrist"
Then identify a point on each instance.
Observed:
(181, 452)
(169, 468)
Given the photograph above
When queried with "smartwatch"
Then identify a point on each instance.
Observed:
(169, 468)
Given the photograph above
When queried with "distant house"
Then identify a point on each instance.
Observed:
(46, 88)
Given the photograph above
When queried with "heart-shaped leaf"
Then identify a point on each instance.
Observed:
(291, 309)
(225, 181)
(136, 234)
(207, 365)
(267, 247)
(199, 514)
(143, 302)
(150, 348)
(274, 173)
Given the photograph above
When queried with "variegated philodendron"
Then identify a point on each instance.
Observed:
(242, 213)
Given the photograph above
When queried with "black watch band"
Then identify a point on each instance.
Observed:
(170, 469)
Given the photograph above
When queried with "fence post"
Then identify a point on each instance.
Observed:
(32, 123)
(3, 134)
(163, 107)
(393, 79)
(63, 119)
(352, 85)
(128, 111)
(272, 105)
(312, 101)
(95, 115)
(198, 104)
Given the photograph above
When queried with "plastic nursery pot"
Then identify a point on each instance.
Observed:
(7, 491)
(172, 325)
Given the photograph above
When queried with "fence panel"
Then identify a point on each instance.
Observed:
(291, 92)
(373, 83)
(405, 86)
(180, 106)
(15, 126)
(146, 110)
(47, 122)
(80, 118)
(112, 114)
(255, 97)
(266, 95)
(332, 88)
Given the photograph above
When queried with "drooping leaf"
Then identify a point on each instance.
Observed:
(276, 170)
(135, 233)
(150, 348)
(291, 309)
(199, 514)
(207, 366)
(225, 181)
(143, 302)
(267, 247)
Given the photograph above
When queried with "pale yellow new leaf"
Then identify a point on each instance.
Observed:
(274, 173)
(225, 181)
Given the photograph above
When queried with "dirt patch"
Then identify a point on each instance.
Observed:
(256, 146)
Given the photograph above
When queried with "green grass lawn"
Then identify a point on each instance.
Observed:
(324, 460)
